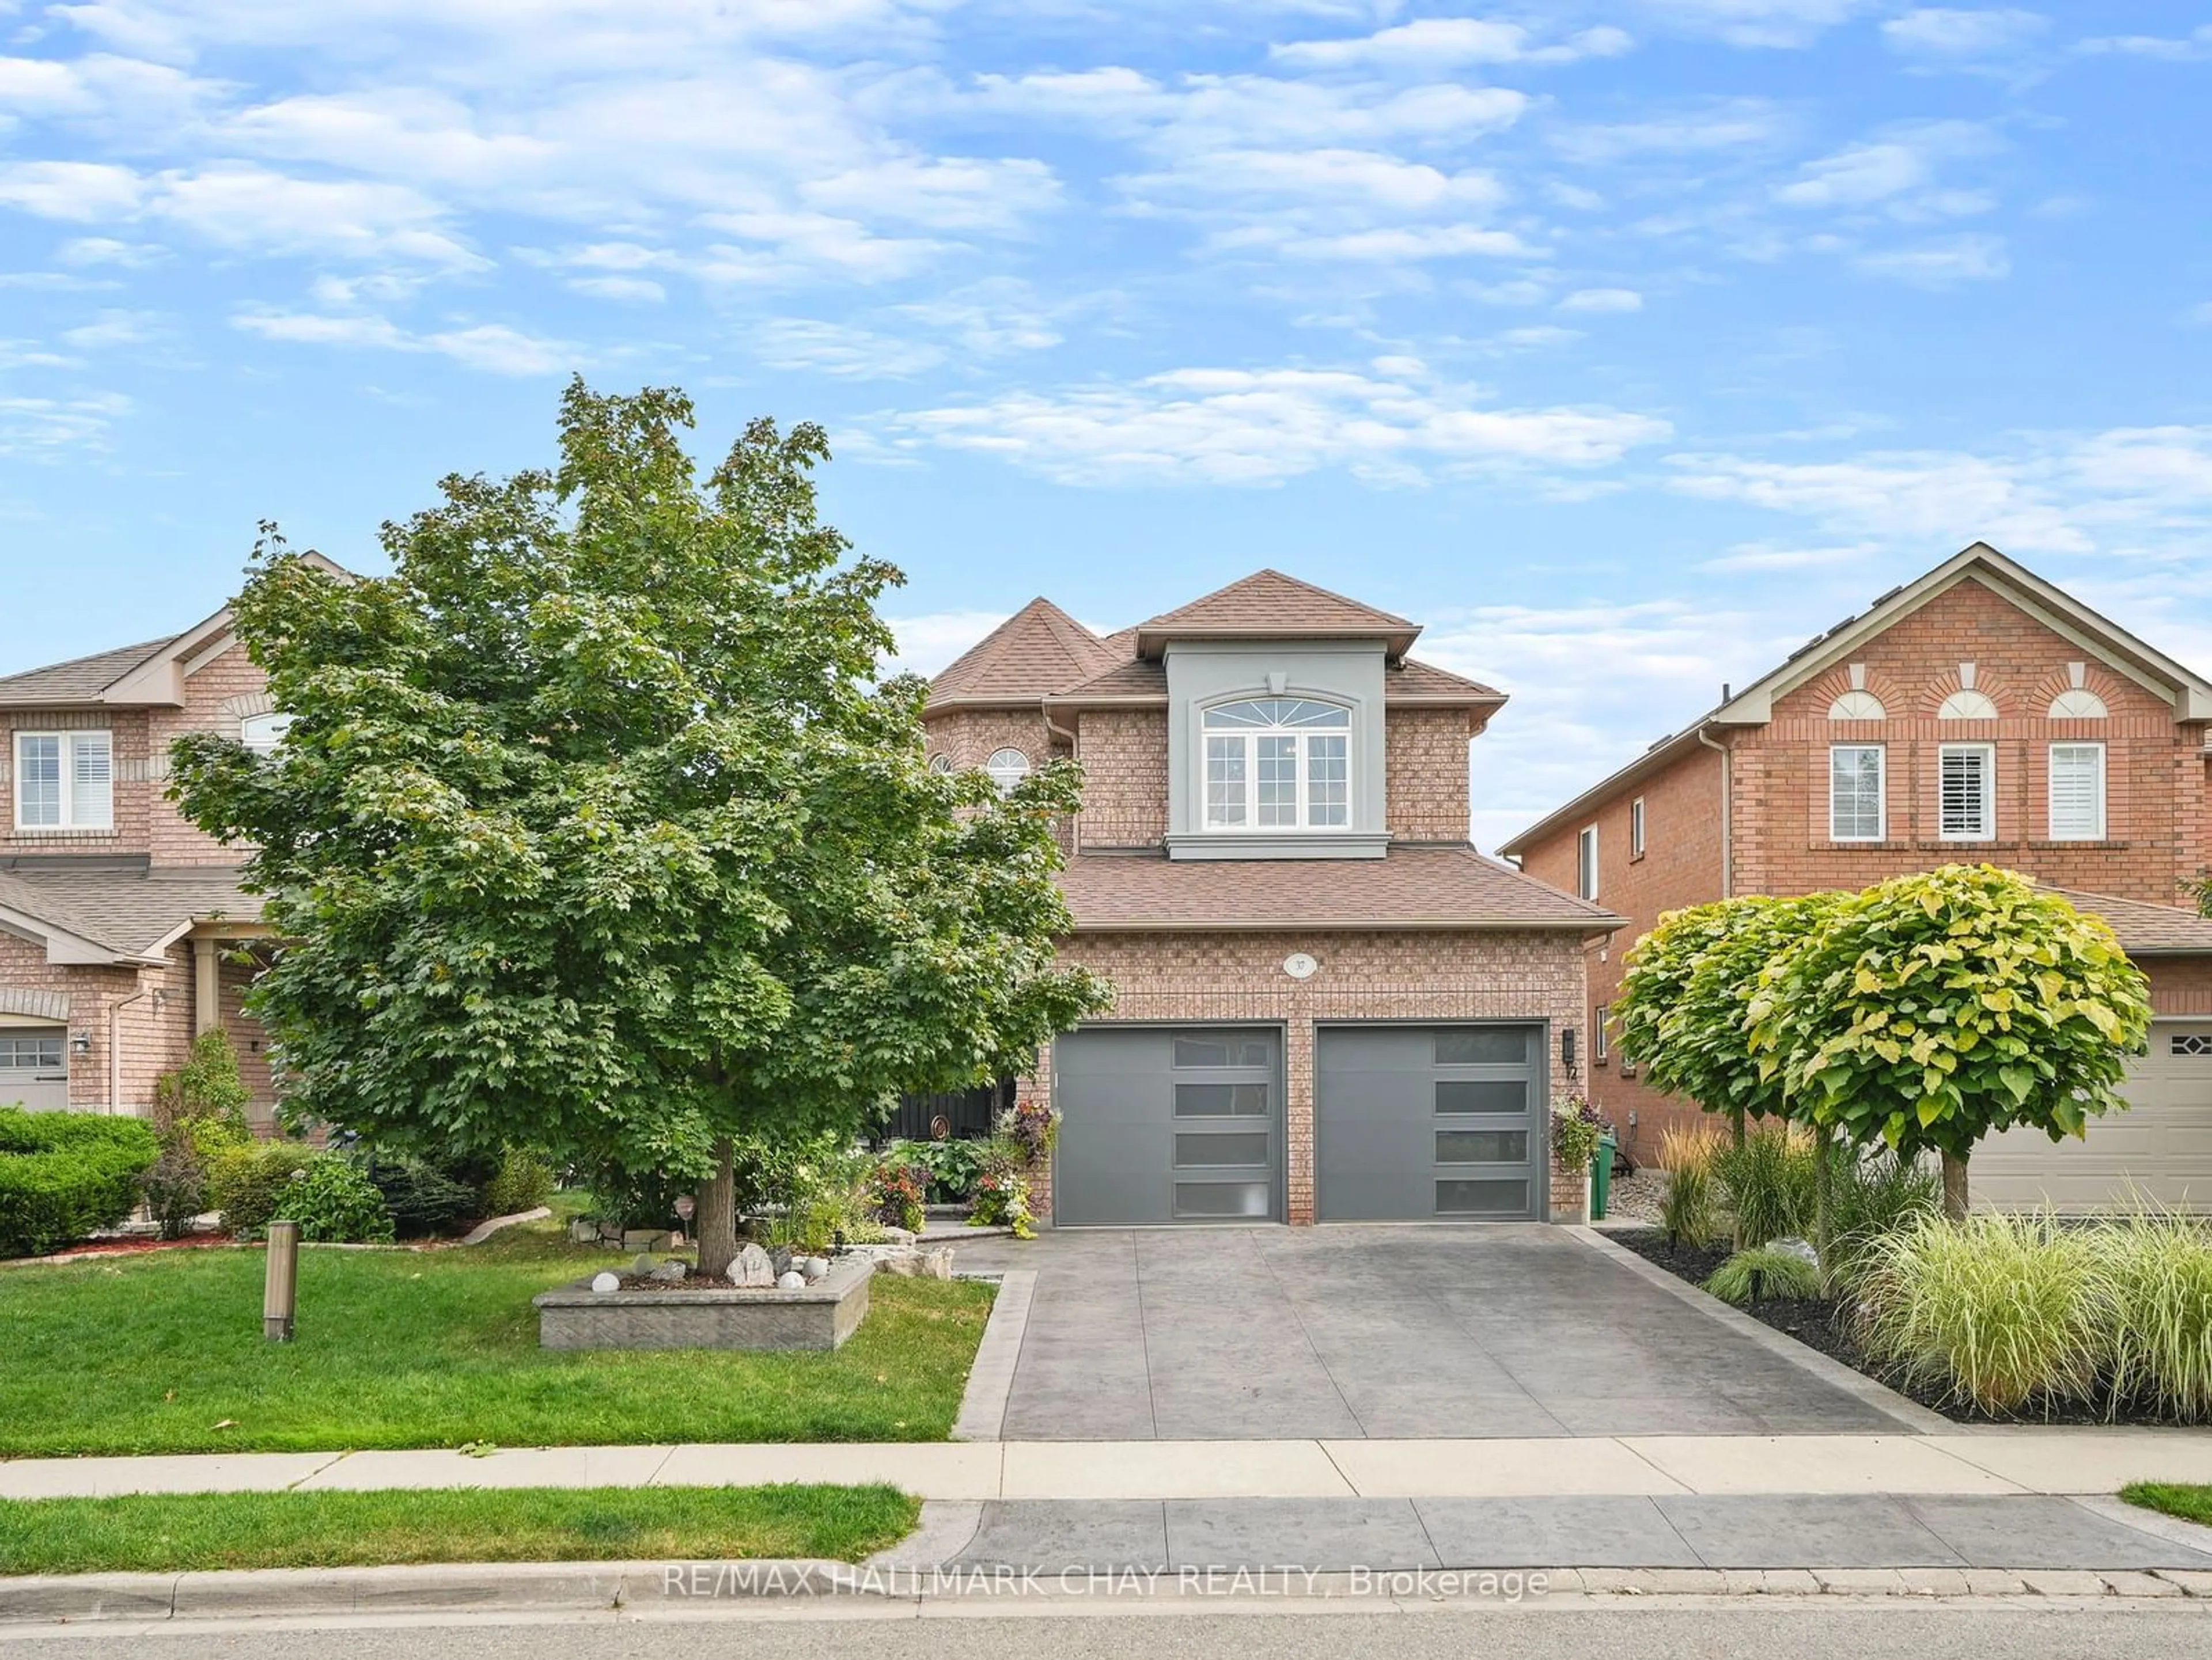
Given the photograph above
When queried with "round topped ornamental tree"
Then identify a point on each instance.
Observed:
(595, 829)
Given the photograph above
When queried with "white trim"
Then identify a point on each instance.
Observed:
(1302, 738)
(1005, 776)
(2050, 791)
(1880, 792)
(1988, 831)
(1586, 864)
(1637, 817)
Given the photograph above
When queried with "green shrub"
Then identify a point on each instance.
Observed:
(64, 1174)
(245, 1183)
(423, 1200)
(526, 1181)
(953, 1167)
(334, 1203)
(1998, 1310)
(1687, 1215)
(2160, 1269)
(1768, 1185)
(1763, 1272)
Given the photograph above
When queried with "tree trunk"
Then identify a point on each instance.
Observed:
(1954, 1187)
(1824, 1183)
(1736, 1119)
(717, 1214)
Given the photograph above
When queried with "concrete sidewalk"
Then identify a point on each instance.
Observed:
(2057, 1460)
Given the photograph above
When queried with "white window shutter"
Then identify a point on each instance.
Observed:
(2077, 792)
(92, 791)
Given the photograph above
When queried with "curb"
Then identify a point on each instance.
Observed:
(537, 1587)
(991, 1374)
(543, 1587)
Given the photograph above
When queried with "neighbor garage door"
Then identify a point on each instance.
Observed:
(1167, 1124)
(1428, 1123)
(34, 1066)
(2162, 1146)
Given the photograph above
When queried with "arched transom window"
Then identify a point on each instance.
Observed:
(1008, 768)
(1277, 764)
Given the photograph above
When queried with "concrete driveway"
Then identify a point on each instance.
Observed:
(1415, 1332)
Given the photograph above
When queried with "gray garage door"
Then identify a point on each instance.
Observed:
(1428, 1123)
(34, 1066)
(1167, 1124)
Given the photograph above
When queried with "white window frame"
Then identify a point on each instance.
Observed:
(2050, 791)
(1988, 830)
(1880, 793)
(1002, 770)
(1586, 868)
(1247, 740)
(1600, 1052)
(262, 732)
(68, 743)
(1636, 828)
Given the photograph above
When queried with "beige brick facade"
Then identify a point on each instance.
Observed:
(1125, 777)
(1425, 772)
(1395, 975)
(2157, 831)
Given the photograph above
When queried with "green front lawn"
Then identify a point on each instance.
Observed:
(163, 1352)
(176, 1533)
(2190, 1504)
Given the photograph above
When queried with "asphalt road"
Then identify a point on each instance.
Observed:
(1809, 1630)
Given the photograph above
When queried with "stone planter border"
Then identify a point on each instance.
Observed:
(821, 1316)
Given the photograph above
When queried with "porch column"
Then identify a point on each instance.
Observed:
(207, 987)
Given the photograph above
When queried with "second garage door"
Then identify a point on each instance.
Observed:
(2159, 1148)
(1429, 1123)
(1167, 1124)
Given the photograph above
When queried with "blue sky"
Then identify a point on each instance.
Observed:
(1625, 343)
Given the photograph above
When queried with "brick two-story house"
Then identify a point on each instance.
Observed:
(1978, 714)
(121, 925)
(1328, 1004)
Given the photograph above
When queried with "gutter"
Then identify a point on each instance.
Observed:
(1728, 812)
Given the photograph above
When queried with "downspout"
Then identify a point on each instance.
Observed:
(1075, 823)
(1728, 812)
(115, 1048)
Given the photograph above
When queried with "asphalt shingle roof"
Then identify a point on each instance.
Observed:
(1410, 887)
(2146, 928)
(78, 679)
(1039, 649)
(1268, 603)
(124, 905)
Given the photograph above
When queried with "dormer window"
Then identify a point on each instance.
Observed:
(1277, 764)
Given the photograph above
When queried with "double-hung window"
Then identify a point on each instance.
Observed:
(1856, 810)
(1966, 790)
(2077, 792)
(1277, 764)
(64, 781)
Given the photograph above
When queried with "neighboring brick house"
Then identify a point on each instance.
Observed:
(1328, 1006)
(121, 925)
(1978, 714)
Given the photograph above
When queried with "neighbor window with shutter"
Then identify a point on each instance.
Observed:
(64, 781)
(1586, 863)
(2077, 792)
(1855, 808)
(1636, 828)
(1966, 790)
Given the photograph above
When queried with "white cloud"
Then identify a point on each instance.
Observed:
(927, 643)
(117, 328)
(1602, 300)
(42, 429)
(1400, 245)
(1731, 125)
(493, 347)
(840, 349)
(1435, 43)
(2068, 495)
(1940, 264)
(2197, 44)
(1783, 24)
(1897, 170)
(780, 247)
(84, 191)
(1946, 32)
(1263, 426)
(642, 289)
(107, 251)
(251, 207)
(1766, 556)
(994, 318)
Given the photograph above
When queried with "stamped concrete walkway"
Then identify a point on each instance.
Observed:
(1396, 1332)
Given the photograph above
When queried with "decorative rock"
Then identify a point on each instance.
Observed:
(672, 1272)
(644, 1239)
(900, 1236)
(813, 1268)
(641, 1264)
(936, 1265)
(605, 1282)
(583, 1232)
(792, 1281)
(753, 1268)
(780, 1259)
(903, 1263)
(1800, 1249)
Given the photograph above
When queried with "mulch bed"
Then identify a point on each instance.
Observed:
(135, 1245)
(1824, 1323)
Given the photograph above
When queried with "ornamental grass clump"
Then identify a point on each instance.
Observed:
(1687, 1215)
(2002, 1312)
(1768, 1183)
(1763, 1274)
(2160, 1265)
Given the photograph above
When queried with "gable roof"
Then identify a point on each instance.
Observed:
(1269, 605)
(79, 679)
(2146, 929)
(2189, 693)
(1037, 650)
(110, 910)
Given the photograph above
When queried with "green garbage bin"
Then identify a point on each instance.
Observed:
(1600, 1176)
